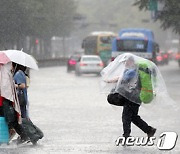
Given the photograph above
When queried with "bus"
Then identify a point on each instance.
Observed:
(138, 41)
(99, 43)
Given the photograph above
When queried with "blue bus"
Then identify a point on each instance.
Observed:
(138, 41)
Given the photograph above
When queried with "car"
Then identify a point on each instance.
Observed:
(177, 58)
(165, 56)
(162, 58)
(159, 59)
(71, 63)
(89, 64)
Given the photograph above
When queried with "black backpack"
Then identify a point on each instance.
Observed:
(115, 99)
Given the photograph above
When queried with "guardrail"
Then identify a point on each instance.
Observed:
(52, 62)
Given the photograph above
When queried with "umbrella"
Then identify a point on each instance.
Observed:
(3, 58)
(21, 58)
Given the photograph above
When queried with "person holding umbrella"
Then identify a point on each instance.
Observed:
(24, 127)
(21, 61)
(10, 108)
(21, 86)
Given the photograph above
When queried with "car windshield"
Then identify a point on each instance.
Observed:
(76, 58)
(90, 59)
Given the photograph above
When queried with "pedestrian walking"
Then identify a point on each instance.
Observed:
(14, 106)
(20, 78)
(9, 104)
(131, 81)
(21, 86)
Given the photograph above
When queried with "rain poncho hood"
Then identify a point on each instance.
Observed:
(133, 77)
(6, 90)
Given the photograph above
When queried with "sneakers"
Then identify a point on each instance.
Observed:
(12, 133)
(34, 139)
(20, 140)
(152, 132)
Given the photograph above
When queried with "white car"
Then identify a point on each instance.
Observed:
(89, 64)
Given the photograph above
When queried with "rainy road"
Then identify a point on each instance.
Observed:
(76, 118)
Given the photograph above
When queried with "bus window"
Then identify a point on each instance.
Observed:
(132, 45)
(106, 39)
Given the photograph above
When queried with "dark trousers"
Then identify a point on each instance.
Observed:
(10, 115)
(1, 111)
(130, 114)
(18, 128)
(23, 111)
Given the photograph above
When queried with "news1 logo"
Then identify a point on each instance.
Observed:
(166, 141)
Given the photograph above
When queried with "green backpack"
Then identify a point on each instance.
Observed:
(146, 93)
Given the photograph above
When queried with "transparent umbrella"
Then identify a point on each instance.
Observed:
(21, 58)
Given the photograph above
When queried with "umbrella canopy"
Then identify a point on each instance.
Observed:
(3, 58)
(21, 58)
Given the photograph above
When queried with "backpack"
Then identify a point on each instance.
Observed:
(115, 98)
(146, 93)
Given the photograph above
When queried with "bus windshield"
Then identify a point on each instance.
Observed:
(132, 45)
(106, 39)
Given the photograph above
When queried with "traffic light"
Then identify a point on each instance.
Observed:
(36, 41)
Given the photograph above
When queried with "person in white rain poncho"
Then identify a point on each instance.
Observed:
(131, 80)
(10, 100)
(10, 104)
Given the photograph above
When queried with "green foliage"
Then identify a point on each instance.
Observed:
(54, 18)
(169, 16)
(12, 20)
(143, 4)
(36, 18)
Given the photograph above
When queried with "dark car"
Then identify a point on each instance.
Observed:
(165, 56)
(162, 58)
(72, 62)
(177, 57)
(159, 59)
